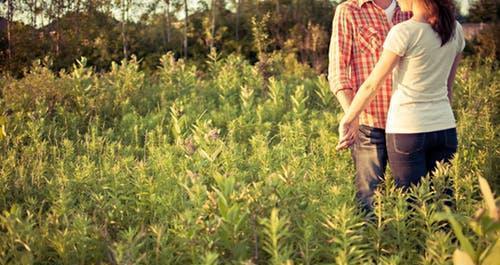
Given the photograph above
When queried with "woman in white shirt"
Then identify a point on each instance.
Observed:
(420, 129)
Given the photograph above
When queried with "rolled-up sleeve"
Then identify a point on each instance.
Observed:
(460, 35)
(397, 40)
(340, 52)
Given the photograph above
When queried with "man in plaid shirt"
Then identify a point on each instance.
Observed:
(358, 31)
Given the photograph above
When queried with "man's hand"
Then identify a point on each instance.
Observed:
(348, 133)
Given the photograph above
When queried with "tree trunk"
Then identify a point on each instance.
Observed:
(33, 13)
(186, 20)
(313, 8)
(124, 7)
(169, 32)
(238, 14)
(58, 25)
(10, 15)
(77, 16)
(212, 30)
(164, 32)
(90, 7)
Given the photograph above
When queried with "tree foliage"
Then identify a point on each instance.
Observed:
(104, 31)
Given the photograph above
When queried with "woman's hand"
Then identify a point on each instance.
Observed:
(348, 132)
(348, 128)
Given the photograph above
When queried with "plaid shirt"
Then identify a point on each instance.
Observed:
(358, 31)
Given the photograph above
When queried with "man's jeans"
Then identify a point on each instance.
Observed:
(369, 154)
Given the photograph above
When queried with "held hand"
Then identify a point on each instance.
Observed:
(348, 132)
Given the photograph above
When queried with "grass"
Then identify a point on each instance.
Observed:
(217, 166)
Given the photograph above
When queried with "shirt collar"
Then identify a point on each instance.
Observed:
(362, 2)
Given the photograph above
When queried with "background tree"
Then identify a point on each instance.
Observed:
(484, 11)
(168, 23)
(124, 7)
(109, 30)
(487, 42)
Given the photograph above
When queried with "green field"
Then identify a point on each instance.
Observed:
(220, 163)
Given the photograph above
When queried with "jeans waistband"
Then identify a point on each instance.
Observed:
(373, 129)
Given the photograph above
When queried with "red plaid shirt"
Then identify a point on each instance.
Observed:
(358, 32)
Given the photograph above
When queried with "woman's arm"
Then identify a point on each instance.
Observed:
(368, 89)
(451, 77)
(365, 94)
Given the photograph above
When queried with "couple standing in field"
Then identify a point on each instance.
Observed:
(405, 120)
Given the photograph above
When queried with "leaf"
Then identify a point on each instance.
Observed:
(462, 258)
(216, 153)
(205, 155)
(26, 258)
(493, 256)
(275, 237)
(3, 121)
(210, 258)
(457, 228)
(3, 134)
(488, 198)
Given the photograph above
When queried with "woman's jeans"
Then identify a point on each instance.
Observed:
(413, 155)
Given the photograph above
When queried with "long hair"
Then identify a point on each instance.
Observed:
(441, 17)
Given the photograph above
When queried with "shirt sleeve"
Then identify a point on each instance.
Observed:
(459, 32)
(396, 41)
(340, 51)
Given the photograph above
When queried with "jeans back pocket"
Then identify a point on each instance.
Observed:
(408, 143)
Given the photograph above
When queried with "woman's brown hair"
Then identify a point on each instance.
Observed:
(441, 17)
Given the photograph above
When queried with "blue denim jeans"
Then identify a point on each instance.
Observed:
(410, 156)
(413, 155)
(369, 154)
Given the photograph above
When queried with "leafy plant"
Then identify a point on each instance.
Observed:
(189, 164)
(485, 224)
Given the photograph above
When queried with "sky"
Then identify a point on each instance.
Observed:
(464, 6)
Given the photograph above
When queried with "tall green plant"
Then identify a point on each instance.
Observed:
(485, 224)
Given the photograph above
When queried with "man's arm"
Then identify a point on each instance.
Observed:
(340, 56)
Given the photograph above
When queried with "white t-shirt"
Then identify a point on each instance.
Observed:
(419, 101)
(389, 11)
